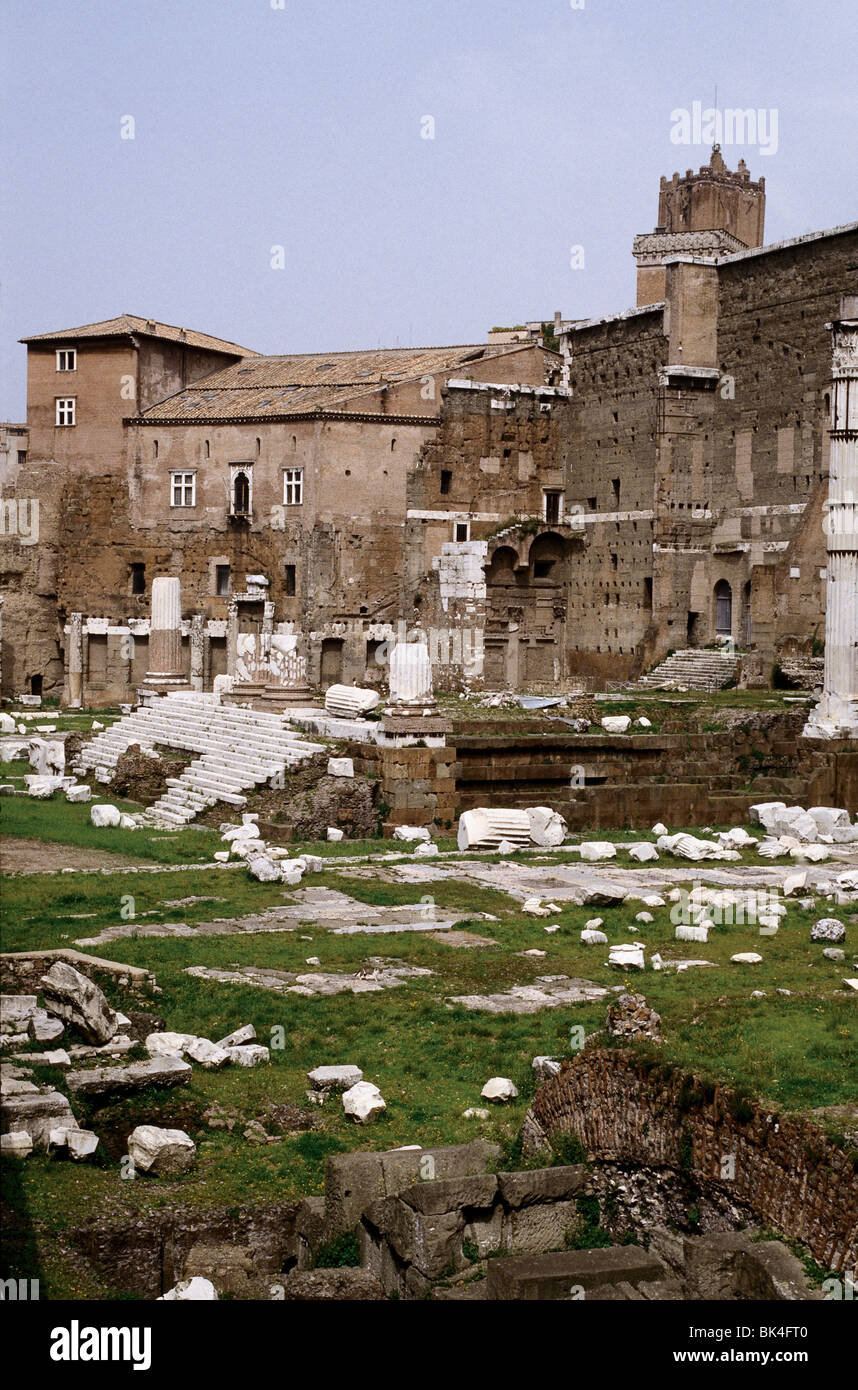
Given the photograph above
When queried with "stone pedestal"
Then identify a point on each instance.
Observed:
(836, 715)
(165, 672)
(271, 673)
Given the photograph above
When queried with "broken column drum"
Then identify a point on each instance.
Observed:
(410, 679)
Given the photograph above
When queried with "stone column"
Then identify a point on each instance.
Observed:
(231, 635)
(197, 652)
(410, 680)
(165, 637)
(836, 715)
(75, 660)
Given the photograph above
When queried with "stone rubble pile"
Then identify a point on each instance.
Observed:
(817, 825)
(40, 1117)
(630, 1016)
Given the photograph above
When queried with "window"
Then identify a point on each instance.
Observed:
(67, 359)
(241, 494)
(66, 409)
(221, 580)
(138, 578)
(184, 490)
(293, 487)
(446, 480)
(22, 457)
(462, 531)
(615, 484)
(552, 501)
(289, 581)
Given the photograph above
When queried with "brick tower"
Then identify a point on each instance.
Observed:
(709, 214)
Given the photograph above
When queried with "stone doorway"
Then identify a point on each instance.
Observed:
(723, 609)
(331, 671)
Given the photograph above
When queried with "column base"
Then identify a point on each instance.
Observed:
(833, 717)
(155, 685)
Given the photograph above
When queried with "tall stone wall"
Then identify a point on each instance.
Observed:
(608, 448)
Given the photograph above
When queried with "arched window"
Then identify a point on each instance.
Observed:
(241, 494)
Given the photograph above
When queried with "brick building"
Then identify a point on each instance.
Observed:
(657, 483)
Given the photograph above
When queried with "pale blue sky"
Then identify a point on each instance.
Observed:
(300, 126)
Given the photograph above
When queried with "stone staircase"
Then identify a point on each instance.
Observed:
(695, 668)
(239, 749)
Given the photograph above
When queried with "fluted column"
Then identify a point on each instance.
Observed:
(836, 715)
(165, 637)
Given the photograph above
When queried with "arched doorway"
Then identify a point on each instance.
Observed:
(723, 609)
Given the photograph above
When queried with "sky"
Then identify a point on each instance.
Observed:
(313, 175)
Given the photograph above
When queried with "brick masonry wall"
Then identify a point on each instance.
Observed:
(622, 1108)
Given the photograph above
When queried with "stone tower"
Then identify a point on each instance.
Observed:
(709, 214)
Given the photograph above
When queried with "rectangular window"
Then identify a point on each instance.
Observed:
(222, 580)
(552, 502)
(289, 581)
(184, 490)
(66, 359)
(138, 578)
(446, 480)
(22, 457)
(462, 531)
(293, 487)
(66, 409)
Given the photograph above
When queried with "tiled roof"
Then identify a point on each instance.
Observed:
(125, 324)
(307, 382)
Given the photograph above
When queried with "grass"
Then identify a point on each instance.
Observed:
(429, 1059)
(63, 823)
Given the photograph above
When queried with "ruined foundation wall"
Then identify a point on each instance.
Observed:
(622, 1108)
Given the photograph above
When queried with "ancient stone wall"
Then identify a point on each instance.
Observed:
(418, 785)
(608, 447)
(598, 780)
(623, 1108)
